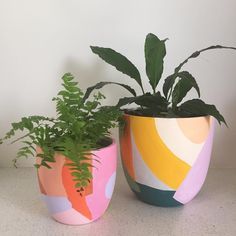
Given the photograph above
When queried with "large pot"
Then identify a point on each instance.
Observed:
(64, 202)
(165, 160)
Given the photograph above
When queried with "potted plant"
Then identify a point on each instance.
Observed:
(75, 156)
(166, 143)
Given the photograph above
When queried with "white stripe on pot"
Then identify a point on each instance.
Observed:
(176, 141)
(143, 174)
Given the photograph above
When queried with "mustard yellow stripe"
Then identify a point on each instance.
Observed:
(162, 162)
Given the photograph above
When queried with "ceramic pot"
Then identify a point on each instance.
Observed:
(165, 160)
(62, 198)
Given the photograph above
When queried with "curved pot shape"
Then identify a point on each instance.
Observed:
(166, 160)
(61, 197)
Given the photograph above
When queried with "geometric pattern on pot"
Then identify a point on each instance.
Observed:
(164, 164)
(61, 197)
(179, 141)
(165, 154)
(142, 173)
(196, 176)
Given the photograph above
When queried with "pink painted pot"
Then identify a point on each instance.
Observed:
(62, 199)
(166, 160)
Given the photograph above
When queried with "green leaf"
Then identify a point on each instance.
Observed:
(84, 183)
(76, 174)
(155, 102)
(102, 84)
(36, 166)
(197, 107)
(183, 86)
(71, 89)
(155, 52)
(169, 82)
(67, 77)
(120, 62)
(27, 123)
(197, 53)
(78, 185)
(43, 163)
(126, 100)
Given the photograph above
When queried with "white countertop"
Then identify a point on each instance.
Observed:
(212, 212)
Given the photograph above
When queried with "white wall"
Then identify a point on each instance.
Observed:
(40, 40)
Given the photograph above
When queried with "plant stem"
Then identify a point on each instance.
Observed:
(16, 140)
(142, 89)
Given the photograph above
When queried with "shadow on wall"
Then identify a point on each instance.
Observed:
(224, 149)
(94, 73)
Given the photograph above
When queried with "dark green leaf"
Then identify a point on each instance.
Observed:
(169, 82)
(102, 84)
(155, 52)
(46, 165)
(126, 100)
(197, 53)
(120, 62)
(197, 107)
(183, 86)
(155, 102)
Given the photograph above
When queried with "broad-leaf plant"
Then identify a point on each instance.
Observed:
(169, 102)
(80, 126)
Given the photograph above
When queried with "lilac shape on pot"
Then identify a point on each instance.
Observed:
(196, 176)
(56, 204)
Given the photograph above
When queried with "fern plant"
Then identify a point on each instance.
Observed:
(81, 125)
(167, 103)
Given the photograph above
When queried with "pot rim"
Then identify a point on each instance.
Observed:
(109, 146)
(160, 117)
(99, 149)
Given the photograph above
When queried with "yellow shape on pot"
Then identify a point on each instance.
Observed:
(160, 160)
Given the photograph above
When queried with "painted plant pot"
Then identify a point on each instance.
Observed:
(165, 160)
(61, 197)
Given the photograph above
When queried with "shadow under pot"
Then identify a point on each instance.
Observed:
(62, 198)
(165, 160)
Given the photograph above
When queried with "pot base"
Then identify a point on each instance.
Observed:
(166, 160)
(157, 197)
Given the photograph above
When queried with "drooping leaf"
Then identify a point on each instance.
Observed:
(43, 163)
(197, 53)
(126, 100)
(155, 52)
(120, 62)
(102, 84)
(169, 82)
(197, 107)
(183, 86)
(156, 102)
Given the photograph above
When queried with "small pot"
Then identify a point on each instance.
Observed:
(165, 160)
(62, 199)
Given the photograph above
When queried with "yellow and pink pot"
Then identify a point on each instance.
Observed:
(64, 202)
(165, 160)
